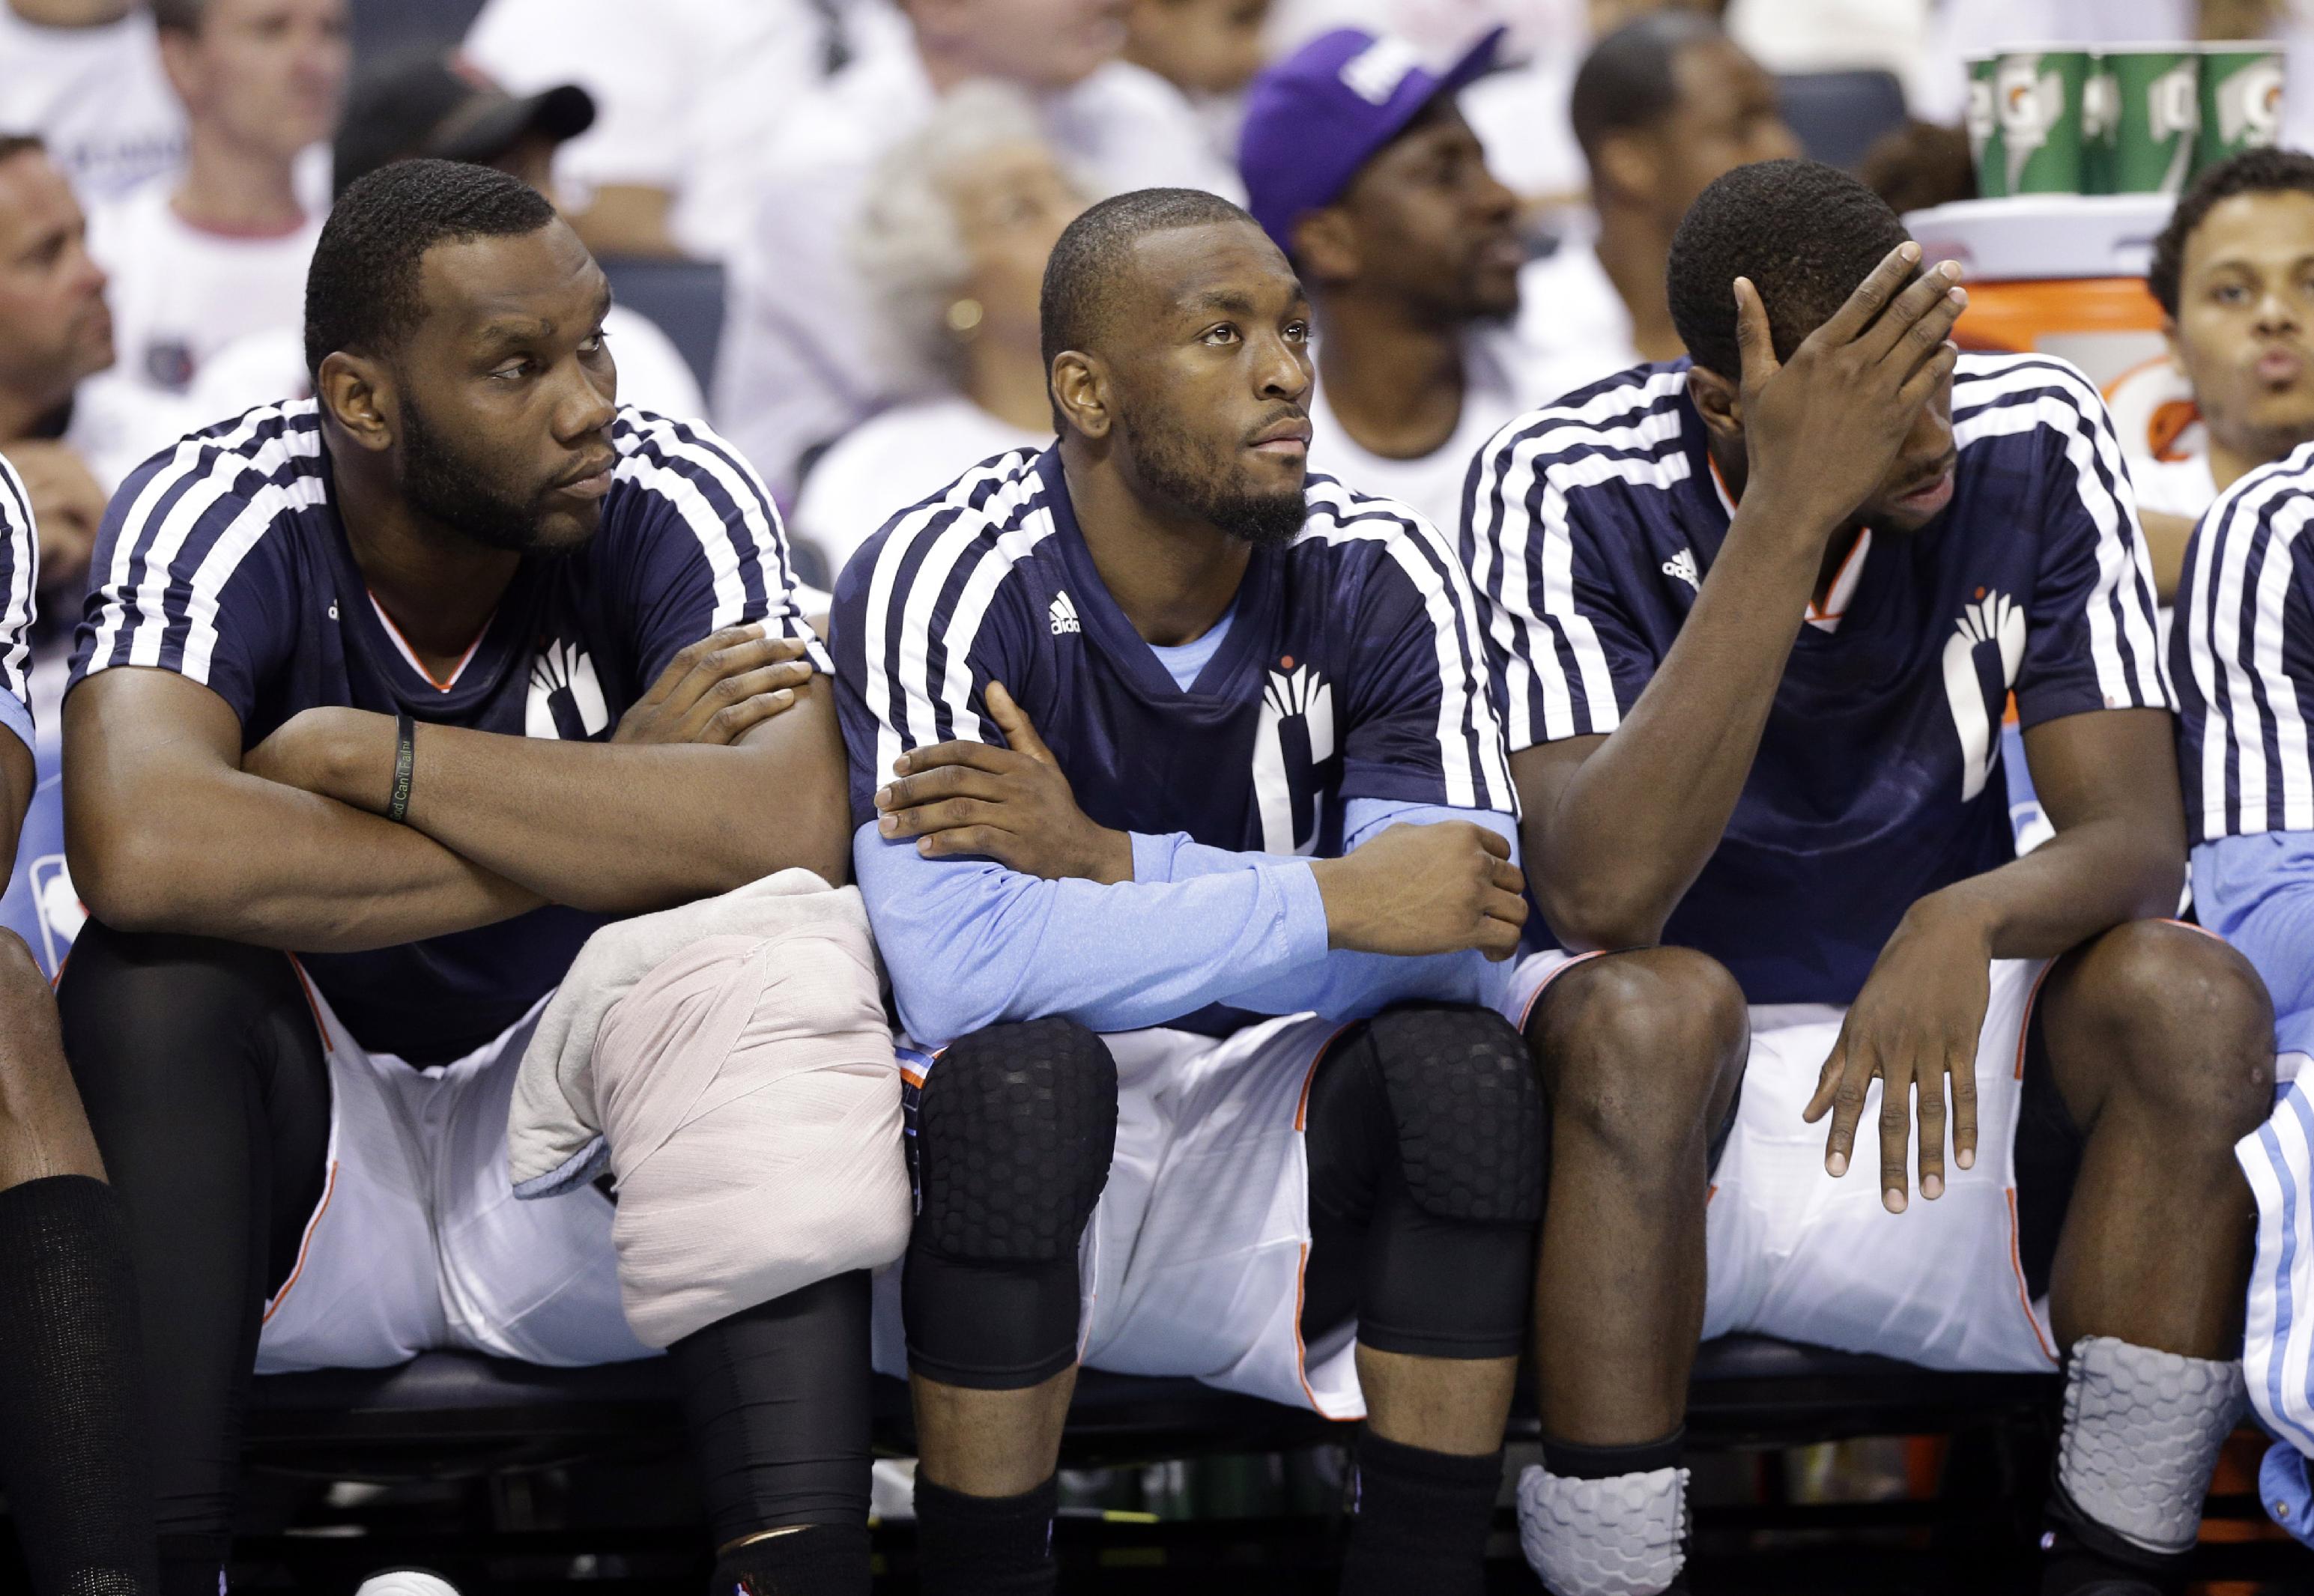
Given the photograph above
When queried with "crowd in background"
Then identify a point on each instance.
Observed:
(880, 182)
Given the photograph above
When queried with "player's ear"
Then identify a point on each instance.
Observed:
(1080, 390)
(1626, 163)
(1325, 248)
(356, 392)
(1717, 401)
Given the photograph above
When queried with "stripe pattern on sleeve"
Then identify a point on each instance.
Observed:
(1519, 546)
(20, 549)
(2241, 674)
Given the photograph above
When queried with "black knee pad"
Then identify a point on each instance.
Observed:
(1014, 1134)
(1472, 1135)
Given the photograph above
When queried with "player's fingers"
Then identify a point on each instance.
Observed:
(1931, 375)
(1895, 1130)
(1013, 721)
(747, 684)
(1755, 343)
(933, 786)
(1848, 1095)
(972, 841)
(1918, 301)
(1508, 878)
(688, 656)
(1926, 336)
(1509, 907)
(715, 666)
(1963, 1070)
(1863, 308)
(963, 752)
(1498, 940)
(1492, 841)
(1932, 1109)
(1827, 1081)
(948, 814)
(728, 724)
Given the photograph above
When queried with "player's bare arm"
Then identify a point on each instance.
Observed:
(1411, 889)
(1617, 827)
(2109, 782)
(165, 832)
(654, 817)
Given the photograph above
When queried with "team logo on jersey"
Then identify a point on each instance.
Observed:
(1682, 565)
(566, 700)
(1295, 736)
(1065, 615)
(1980, 661)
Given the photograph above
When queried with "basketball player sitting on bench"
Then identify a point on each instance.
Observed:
(1253, 679)
(1762, 614)
(424, 679)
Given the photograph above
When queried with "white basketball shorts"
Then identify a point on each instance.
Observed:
(419, 1242)
(1795, 1254)
(1192, 1262)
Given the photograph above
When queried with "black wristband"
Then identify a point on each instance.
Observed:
(405, 762)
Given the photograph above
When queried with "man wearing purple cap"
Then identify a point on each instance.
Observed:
(1358, 164)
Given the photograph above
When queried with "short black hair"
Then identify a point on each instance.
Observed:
(1082, 274)
(1630, 78)
(180, 16)
(361, 290)
(12, 144)
(2253, 172)
(1806, 234)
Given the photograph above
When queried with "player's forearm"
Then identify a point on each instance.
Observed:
(1637, 821)
(237, 856)
(2081, 882)
(616, 828)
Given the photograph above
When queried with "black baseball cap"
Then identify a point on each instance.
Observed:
(445, 106)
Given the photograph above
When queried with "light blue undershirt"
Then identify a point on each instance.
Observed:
(971, 944)
(2257, 893)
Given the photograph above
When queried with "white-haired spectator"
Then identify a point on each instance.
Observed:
(84, 78)
(799, 362)
(952, 243)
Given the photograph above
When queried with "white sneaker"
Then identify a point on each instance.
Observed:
(406, 1582)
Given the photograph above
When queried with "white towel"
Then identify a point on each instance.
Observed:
(731, 1061)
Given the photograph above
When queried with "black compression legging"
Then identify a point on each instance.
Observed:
(203, 1074)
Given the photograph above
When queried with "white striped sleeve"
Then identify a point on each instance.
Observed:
(1566, 659)
(2243, 647)
(20, 574)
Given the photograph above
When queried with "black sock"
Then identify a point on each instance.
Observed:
(72, 1391)
(1569, 1459)
(818, 1560)
(986, 1546)
(1422, 1520)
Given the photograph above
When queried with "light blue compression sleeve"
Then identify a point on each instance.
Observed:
(2257, 893)
(971, 944)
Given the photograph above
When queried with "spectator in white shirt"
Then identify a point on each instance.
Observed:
(959, 220)
(799, 363)
(85, 76)
(425, 105)
(219, 252)
(1358, 164)
(55, 331)
(1662, 108)
(689, 91)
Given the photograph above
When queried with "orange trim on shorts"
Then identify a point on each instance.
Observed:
(2015, 1233)
(1527, 1013)
(304, 1246)
(305, 985)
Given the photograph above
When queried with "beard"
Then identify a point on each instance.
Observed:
(459, 493)
(1189, 475)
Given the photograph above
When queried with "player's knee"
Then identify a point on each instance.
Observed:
(1472, 1132)
(2189, 1026)
(1646, 1046)
(1014, 1134)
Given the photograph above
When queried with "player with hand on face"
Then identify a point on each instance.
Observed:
(1249, 768)
(382, 703)
(1758, 618)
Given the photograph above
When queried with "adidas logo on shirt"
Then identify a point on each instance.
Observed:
(1682, 566)
(1065, 615)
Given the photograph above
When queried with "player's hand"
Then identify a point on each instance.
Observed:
(1420, 889)
(1916, 1023)
(1822, 429)
(717, 689)
(67, 508)
(1011, 805)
